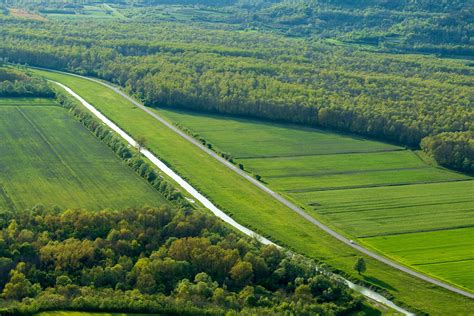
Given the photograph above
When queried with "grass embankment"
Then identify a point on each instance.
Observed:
(47, 157)
(252, 207)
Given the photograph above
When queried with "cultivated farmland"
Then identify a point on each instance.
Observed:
(360, 188)
(254, 209)
(444, 255)
(47, 157)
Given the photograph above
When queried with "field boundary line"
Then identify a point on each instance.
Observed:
(367, 209)
(260, 185)
(416, 232)
(365, 186)
(328, 154)
(8, 200)
(331, 173)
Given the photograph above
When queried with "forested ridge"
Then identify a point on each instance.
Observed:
(154, 260)
(217, 67)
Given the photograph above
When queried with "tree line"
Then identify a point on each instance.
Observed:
(396, 98)
(14, 83)
(452, 150)
(154, 260)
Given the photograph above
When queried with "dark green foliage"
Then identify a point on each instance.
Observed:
(14, 83)
(155, 260)
(452, 150)
(360, 266)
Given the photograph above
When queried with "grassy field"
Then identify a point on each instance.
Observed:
(362, 193)
(250, 139)
(392, 210)
(444, 255)
(255, 209)
(47, 157)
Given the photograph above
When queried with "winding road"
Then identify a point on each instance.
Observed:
(242, 173)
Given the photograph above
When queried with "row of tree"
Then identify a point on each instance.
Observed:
(154, 260)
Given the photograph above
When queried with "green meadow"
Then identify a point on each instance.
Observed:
(249, 139)
(253, 208)
(387, 210)
(444, 256)
(48, 157)
(359, 187)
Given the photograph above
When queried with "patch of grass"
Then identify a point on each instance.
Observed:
(397, 209)
(361, 179)
(449, 254)
(247, 138)
(253, 208)
(47, 157)
(27, 102)
(332, 164)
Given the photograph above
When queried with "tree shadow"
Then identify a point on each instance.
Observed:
(379, 283)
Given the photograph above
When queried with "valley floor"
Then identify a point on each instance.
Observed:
(257, 210)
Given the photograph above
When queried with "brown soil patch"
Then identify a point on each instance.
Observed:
(20, 13)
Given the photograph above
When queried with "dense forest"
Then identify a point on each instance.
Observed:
(239, 69)
(454, 150)
(154, 260)
(14, 84)
(427, 26)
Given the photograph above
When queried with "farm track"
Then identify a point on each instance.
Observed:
(365, 186)
(330, 173)
(258, 184)
(416, 231)
(325, 154)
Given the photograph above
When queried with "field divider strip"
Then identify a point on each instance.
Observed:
(331, 173)
(369, 186)
(321, 154)
(275, 195)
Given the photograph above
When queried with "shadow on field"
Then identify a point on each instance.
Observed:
(378, 282)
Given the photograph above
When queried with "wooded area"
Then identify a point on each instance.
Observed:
(154, 260)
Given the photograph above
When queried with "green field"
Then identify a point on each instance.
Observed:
(257, 210)
(47, 157)
(249, 139)
(444, 256)
(361, 193)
